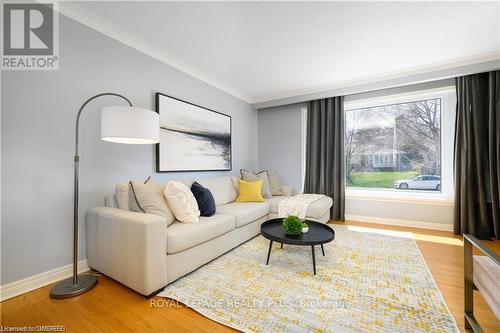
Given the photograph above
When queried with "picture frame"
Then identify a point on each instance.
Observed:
(192, 137)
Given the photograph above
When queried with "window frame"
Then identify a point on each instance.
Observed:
(448, 113)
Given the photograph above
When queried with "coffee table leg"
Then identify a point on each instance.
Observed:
(281, 245)
(323, 250)
(314, 259)
(269, 252)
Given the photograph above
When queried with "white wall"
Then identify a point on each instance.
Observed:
(433, 215)
(37, 138)
(416, 212)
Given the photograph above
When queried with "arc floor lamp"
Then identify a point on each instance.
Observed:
(119, 124)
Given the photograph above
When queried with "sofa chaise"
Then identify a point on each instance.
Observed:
(146, 252)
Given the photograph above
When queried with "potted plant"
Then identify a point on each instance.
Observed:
(293, 226)
(305, 227)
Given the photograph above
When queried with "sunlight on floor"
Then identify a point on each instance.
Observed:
(406, 234)
(402, 234)
(438, 239)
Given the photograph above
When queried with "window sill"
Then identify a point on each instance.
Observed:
(408, 196)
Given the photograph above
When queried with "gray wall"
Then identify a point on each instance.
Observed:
(280, 143)
(280, 140)
(37, 133)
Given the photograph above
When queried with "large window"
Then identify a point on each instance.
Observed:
(397, 144)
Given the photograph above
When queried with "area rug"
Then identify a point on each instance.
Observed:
(367, 282)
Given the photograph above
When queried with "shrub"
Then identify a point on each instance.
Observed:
(292, 225)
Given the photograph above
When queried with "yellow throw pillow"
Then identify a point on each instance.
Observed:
(250, 191)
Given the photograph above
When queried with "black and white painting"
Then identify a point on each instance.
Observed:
(192, 138)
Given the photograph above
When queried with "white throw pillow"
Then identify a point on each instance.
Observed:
(223, 189)
(182, 202)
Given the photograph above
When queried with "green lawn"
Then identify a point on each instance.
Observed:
(379, 179)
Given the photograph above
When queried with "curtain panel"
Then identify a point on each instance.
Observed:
(477, 157)
(325, 163)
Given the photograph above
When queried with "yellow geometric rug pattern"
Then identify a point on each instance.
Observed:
(367, 282)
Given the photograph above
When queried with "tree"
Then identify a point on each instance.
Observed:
(352, 119)
(419, 130)
(361, 138)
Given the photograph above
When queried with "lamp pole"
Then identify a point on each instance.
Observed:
(77, 285)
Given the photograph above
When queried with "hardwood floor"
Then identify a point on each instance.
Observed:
(111, 307)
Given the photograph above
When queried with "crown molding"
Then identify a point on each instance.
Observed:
(82, 16)
(420, 74)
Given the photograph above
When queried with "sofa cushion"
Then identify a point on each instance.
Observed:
(315, 210)
(110, 201)
(274, 203)
(487, 280)
(187, 182)
(182, 236)
(122, 196)
(245, 212)
(222, 189)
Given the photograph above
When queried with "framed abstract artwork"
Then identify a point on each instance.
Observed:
(192, 138)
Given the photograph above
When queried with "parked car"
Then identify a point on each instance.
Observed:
(423, 182)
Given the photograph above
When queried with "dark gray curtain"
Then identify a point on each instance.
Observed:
(325, 152)
(477, 157)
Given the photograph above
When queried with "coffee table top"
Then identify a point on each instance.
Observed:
(318, 233)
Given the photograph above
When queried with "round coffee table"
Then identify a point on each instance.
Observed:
(318, 234)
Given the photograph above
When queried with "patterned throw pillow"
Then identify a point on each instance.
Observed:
(262, 175)
(182, 202)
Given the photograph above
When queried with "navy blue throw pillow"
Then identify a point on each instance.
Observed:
(204, 198)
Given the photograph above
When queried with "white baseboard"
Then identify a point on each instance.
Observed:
(400, 222)
(19, 287)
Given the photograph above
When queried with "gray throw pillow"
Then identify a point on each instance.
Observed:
(274, 182)
(262, 175)
(150, 200)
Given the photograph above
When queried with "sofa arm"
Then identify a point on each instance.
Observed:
(288, 190)
(129, 247)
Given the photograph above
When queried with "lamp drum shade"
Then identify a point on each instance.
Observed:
(131, 125)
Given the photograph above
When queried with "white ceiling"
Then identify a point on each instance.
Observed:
(260, 51)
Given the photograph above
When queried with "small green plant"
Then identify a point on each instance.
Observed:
(292, 225)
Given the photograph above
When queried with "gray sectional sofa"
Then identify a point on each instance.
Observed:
(146, 252)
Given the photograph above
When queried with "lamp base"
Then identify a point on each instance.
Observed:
(66, 288)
